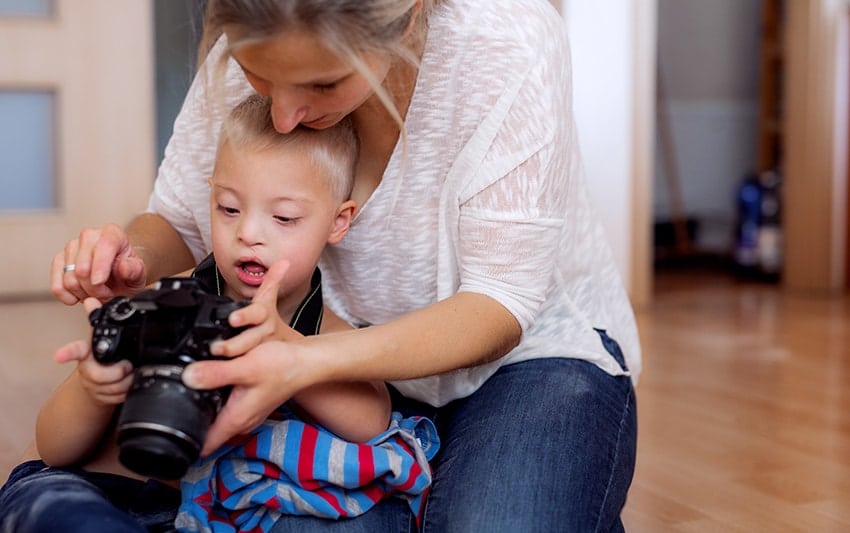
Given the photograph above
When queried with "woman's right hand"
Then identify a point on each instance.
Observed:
(104, 265)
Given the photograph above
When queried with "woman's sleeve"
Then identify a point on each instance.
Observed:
(181, 189)
(514, 210)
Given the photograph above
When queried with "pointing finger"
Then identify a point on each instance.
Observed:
(265, 297)
(268, 290)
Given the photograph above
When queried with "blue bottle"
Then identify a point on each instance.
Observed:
(746, 253)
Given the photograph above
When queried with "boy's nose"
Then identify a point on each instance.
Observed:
(250, 232)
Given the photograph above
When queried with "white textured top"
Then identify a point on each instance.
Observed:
(489, 198)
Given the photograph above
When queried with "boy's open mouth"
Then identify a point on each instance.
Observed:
(251, 272)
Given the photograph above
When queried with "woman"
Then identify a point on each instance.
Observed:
(480, 281)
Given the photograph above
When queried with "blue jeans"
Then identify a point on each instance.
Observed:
(38, 498)
(543, 445)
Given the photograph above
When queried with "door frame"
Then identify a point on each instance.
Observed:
(643, 152)
(815, 139)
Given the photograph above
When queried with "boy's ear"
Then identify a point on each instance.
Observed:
(344, 215)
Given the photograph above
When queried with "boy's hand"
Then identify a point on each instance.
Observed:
(106, 384)
(262, 314)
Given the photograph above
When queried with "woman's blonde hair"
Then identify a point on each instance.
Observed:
(334, 150)
(349, 28)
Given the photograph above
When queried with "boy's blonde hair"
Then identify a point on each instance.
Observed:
(334, 149)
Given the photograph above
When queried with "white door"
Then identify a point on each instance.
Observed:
(76, 126)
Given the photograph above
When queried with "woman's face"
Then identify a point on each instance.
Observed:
(308, 84)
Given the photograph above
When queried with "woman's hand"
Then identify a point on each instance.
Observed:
(262, 377)
(99, 263)
(105, 384)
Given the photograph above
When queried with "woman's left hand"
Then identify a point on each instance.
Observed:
(261, 380)
(262, 368)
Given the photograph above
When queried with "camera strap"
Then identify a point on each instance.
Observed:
(307, 318)
(208, 276)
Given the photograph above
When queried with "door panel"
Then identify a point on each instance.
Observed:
(94, 58)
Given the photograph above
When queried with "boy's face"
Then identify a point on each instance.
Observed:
(271, 205)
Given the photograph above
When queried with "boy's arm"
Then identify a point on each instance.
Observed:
(356, 411)
(75, 419)
(71, 425)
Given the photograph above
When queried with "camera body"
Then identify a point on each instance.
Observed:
(163, 423)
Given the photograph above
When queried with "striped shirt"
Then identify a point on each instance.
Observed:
(287, 466)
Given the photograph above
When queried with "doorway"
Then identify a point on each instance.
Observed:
(749, 87)
(79, 146)
(708, 119)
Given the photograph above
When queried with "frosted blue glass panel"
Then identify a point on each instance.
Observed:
(27, 160)
(26, 8)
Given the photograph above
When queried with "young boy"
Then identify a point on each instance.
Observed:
(276, 201)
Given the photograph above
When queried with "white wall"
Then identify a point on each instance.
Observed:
(602, 37)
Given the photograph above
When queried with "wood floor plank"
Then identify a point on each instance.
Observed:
(743, 410)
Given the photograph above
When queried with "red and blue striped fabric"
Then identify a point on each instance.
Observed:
(287, 466)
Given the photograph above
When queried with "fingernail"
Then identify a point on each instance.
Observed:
(190, 378)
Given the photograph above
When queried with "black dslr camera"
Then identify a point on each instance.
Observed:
(163, 423)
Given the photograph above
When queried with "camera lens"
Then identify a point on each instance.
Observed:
(163, 423)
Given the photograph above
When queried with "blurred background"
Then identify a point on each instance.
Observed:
(715, 140)
(713, 132)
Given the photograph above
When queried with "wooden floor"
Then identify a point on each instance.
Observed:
(743, 410)
(744, 404)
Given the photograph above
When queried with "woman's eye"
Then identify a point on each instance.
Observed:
(228, 210)
(324, 87)
(285, 220)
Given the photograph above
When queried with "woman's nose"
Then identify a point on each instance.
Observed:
(288, 110)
